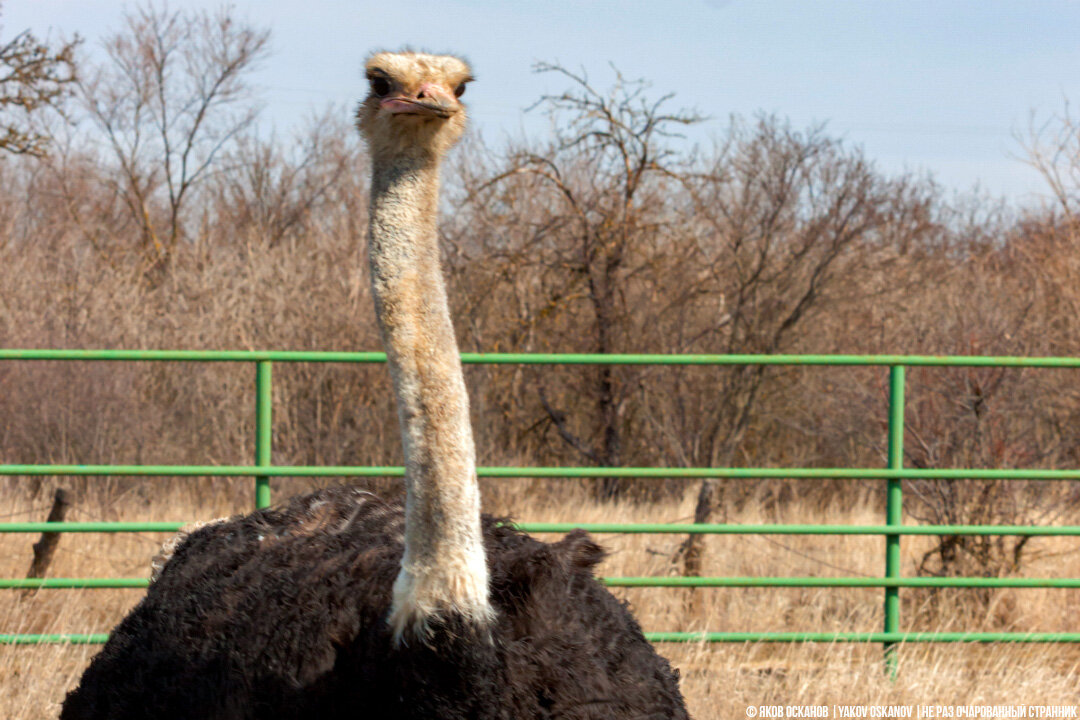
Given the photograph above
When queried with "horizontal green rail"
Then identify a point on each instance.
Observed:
(54, 639)
(263, 471)
(852, 582)
(72, 583)
(864, 637)
(546, 472)
(98, 638)
(654, 582)
(621, 528)
(708, 529)
(541, 358)
(90, 527)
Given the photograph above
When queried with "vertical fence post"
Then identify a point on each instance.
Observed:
(893, 508)
(263, 405)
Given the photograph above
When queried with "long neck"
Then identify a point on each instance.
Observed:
(443, 570)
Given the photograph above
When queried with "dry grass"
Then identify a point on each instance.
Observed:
(718, 680)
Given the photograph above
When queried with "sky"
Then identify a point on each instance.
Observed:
(940, 87)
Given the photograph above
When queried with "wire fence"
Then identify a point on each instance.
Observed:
(891, 580)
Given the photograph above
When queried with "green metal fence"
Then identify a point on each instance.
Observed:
(891, 581)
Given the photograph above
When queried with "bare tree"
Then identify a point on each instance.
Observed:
(782, 214)
(171, 97)
(276, 189)
(1053, 149)
(600, 184)
(33, 75)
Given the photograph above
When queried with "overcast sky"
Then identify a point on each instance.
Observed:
(938, 86)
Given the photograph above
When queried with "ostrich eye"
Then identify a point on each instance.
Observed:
(380, 86)
(459, 90)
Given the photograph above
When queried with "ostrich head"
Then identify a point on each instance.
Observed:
(413, 105)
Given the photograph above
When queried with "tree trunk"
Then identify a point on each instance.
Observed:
(45, 548)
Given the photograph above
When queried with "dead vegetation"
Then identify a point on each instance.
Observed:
(718, 680)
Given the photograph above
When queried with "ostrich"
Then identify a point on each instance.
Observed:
(341, 605)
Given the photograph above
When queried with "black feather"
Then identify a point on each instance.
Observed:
(282, 614)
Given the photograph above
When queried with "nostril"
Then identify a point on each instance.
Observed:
(421, 95)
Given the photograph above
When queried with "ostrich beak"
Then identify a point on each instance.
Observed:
(429, 100)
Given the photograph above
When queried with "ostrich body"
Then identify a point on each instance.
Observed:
(341, 605)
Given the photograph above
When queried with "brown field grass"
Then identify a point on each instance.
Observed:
(719, 681)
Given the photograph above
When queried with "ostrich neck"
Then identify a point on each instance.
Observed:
(443, 569)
